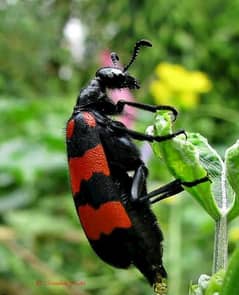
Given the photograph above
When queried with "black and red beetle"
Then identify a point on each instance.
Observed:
(114, 207)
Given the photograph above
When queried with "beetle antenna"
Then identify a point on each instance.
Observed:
(137, 47)
(114, 58)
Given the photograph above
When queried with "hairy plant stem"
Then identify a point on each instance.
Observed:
(221, 234)
(220, 245)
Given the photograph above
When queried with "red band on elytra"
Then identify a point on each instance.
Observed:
(104, 220)
(82, 168)
(89, 119)
(70, 128)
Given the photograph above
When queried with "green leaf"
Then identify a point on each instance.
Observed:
(201, 286)
(208, 285)
(189, 160)
(231, 282)
(232, 171)
(215, 283)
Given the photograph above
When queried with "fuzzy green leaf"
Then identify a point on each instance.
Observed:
(215, 283)
(208, 285)
(185, 158)
(232, 171)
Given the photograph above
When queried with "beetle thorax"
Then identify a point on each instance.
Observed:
(91, 93)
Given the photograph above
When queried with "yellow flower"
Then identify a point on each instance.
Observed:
(178, 86)
(199, 82)
(160, 91)
(189, 100)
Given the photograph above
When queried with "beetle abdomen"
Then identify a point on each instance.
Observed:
(102, 215)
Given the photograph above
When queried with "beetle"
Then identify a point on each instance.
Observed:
(114, 206)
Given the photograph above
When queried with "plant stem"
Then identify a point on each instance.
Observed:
(220, 245)
(221, 234)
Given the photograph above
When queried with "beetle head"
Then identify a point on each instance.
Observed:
(116, 77)
(112, 78)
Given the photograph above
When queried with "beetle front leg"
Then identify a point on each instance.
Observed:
(118, 127)
(147, 107)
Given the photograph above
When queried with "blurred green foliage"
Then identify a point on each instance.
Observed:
(41, 240)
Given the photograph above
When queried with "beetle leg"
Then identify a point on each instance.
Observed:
(139, 183)
(147, 107)
(172, 188)
(142, 136)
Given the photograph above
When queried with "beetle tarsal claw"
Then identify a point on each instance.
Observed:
(160, 287)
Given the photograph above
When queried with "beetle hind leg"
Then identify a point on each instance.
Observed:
(173, 188)
(138, 187)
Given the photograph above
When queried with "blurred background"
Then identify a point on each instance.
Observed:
(49, 50)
